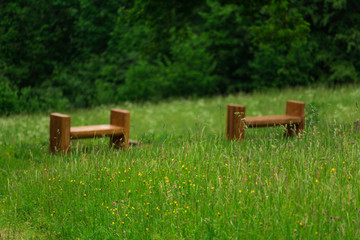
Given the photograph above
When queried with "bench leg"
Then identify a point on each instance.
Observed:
(120, 118)
(291, 130)
(235, 127)
(295, 108)
(59, 133)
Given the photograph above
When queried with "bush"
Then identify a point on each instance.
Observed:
(277, 66)
(29, 99)
(8, 97)
(101, 52)
(142, 82)
(229, 42)
(89, 83)
(188, 71)
(37, 100)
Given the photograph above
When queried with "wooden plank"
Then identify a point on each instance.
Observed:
(59, 115)
(96, 131)
(59, 133)
(235, 128)
(296, 108)
(267, 121)
(120, 118)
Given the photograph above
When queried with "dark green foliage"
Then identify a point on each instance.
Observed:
(35, 99)
(94, 23)
(281, 25)
(190, 69)
(186, 72)
(35, 35)
(29, 100)
(282, 56)
(8, 98)
(227, 28)
(142, 82)
(87, 83)
(277, 66)
(57, 54)
(335, 31)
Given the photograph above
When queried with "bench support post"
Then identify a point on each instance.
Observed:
(235, 127)
(295, 108)
(59, 133)
(120, 118)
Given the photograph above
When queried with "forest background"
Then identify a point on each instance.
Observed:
(59, 54)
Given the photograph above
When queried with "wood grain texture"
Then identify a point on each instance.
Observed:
(270, 121)
(95, 131)
(59, 133)
(235, 128)
(294, 120)
(120, 118)
(295, 108)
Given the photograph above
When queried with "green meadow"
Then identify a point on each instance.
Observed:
(186, 181)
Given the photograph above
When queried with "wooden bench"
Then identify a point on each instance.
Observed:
(61, 131)
(237, 122)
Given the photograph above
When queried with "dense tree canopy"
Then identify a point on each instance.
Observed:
(57, 53)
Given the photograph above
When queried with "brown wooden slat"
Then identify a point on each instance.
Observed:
(96, 131)
(60, 115)
(265, 121)
(295, 108)
(234, 126)
(121, 118)
(59, 132)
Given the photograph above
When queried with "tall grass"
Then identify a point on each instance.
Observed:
(186, 181)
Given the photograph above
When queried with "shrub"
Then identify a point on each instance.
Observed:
(188, 71)
(277, 66)
(142, 82)
(8, 97)
(89, 83)
(36, 99)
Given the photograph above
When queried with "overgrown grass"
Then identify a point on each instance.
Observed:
(187, 181)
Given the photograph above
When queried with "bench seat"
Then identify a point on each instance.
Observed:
(96, 131)
(237, 121)
(275, 120)
(61, 132)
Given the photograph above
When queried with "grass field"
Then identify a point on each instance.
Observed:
(187, 181)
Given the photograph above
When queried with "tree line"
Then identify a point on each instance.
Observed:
(57, 54)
